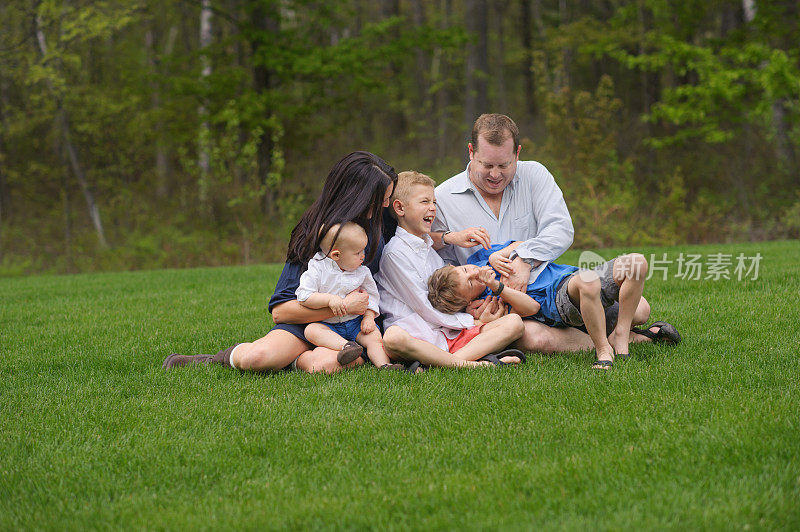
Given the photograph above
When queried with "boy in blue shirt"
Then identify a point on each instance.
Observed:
(560, 295)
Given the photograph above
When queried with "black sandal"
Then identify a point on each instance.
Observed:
(667, 333)
(415, 367)
(495, 358)
(604, 365)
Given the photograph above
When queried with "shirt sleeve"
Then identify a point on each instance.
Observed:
(309, 282)
(555, 231)
(372, 289)
(400, 276)
(440, 225)
(287, 284)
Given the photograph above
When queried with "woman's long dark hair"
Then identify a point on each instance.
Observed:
(353, 192)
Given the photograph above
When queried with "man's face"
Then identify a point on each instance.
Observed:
(492, 167)
(418, 210)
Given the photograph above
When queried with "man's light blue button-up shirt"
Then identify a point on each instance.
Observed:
(532, 210)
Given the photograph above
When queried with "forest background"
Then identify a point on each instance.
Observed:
(143, 134)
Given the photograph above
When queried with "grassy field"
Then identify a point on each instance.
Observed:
(93, 434)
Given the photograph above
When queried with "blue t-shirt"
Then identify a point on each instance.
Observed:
(543, 289)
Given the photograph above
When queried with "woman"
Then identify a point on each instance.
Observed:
(357, 189)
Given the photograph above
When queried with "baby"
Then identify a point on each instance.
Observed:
(332, 273)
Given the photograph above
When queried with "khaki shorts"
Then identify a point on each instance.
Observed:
(609, 294)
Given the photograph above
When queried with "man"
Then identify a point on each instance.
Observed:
(509, 199)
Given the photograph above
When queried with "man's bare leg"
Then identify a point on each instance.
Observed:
(629, 274)
(584, 291)
(539, 338)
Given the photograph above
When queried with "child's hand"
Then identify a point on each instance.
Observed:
(367, 325)
(500, 263)
(337, 305)
(486, 276)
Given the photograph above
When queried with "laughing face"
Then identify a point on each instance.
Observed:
(491, 167)
(418, 210)
(470, 287)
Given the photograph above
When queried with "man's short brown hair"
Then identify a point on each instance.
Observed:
(406, 180)
(495, 128)
(443, 292)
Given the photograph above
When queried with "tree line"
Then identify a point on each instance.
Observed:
(138, 134)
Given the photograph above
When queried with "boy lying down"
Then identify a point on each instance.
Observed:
(561, 296)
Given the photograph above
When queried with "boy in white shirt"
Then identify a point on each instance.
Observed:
(414, 329)
(332, 273)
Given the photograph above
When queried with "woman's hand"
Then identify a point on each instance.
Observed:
(471, 237)
(356, 302)
(500, 263)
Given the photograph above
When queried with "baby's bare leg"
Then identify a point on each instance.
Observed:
(584, 289)
(494, 336)
(323, 336)
(373, 342)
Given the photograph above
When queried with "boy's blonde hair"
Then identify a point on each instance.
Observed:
(443, 292)
(406, 180)
(347, 234)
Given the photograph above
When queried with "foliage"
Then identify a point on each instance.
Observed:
(664, 122)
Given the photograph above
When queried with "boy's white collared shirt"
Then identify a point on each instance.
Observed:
(326, 277)
(406, 264)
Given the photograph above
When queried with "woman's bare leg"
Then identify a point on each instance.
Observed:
(273, 352)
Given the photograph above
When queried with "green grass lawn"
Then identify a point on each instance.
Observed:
(93, 434)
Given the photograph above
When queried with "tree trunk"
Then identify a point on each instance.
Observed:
(395, 117)
(439, 76)
(526, 34)
(203, 144)
(264, 81)
(476, 101)
(162, 159)
(72, 154)
(3, 152)
(498, 74)
(421, 110)
(67, 212)
(566, 53)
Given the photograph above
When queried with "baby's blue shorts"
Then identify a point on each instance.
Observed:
(347, 329)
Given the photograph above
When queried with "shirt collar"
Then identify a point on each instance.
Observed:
(327, 262)
(414, 242)
(462, 182)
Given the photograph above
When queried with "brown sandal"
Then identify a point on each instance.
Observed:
(349, 352)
